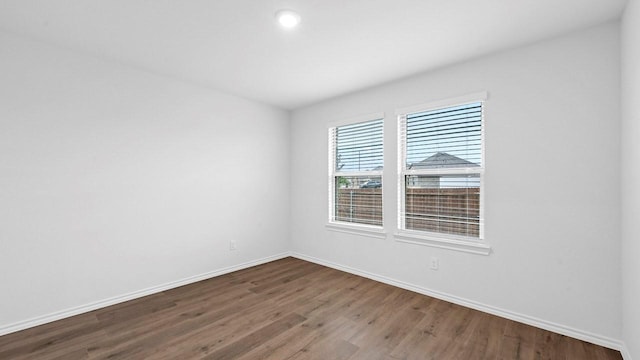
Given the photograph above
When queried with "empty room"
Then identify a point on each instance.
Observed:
(298, 179)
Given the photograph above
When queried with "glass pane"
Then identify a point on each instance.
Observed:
(447, 204)
(359, 146)
(358, 199)
(445, 138)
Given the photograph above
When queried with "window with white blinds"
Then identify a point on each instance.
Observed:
(355, 173)
(441, 170)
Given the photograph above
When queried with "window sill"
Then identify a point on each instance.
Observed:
(363, 230)
(473, 247)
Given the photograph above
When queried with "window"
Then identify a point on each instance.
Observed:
(441, 166)
(355, 173)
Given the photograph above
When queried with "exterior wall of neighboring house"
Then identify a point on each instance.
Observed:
(413, 181)
(441, 160)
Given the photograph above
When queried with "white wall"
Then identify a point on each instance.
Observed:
(552, 175)
(114, 180)
(631, 179)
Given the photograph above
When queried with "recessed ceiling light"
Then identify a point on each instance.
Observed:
(288, 18)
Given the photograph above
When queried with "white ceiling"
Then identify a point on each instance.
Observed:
(341, 45)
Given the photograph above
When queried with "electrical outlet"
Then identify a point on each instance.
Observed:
(232, 245)
(435, 264)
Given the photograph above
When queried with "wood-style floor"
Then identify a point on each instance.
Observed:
(291, 309)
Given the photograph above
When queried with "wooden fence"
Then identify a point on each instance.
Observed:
(452, 211)
(363, 206)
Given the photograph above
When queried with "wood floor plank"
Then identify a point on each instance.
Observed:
(424, 340)
(179, 329)
(80, 354)
(549, 345)
(301, 338)
(456, 322)
(59, 347)
(125, 337)
(209, 338)
(328, 348)
(485, 338)
(256, 338)
(240, 319)
(132, 310)
(291, 309)
(326, 330)
(385, 324)
(46, 332)
(466, 342)
(518, 342)
(386, 336)
(331, 345)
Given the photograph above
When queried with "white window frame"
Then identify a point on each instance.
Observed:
(349, 227)
(434, 239)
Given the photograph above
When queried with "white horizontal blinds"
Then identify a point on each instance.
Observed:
(449, 137)
(359, 147)
(357, 173)
(442, 170)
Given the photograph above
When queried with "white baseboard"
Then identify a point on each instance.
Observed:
(22, 325)
(529, 320)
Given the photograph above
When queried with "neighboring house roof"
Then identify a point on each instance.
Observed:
(377, 168)
(442, 160)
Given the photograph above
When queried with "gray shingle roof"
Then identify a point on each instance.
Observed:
(442, 160)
